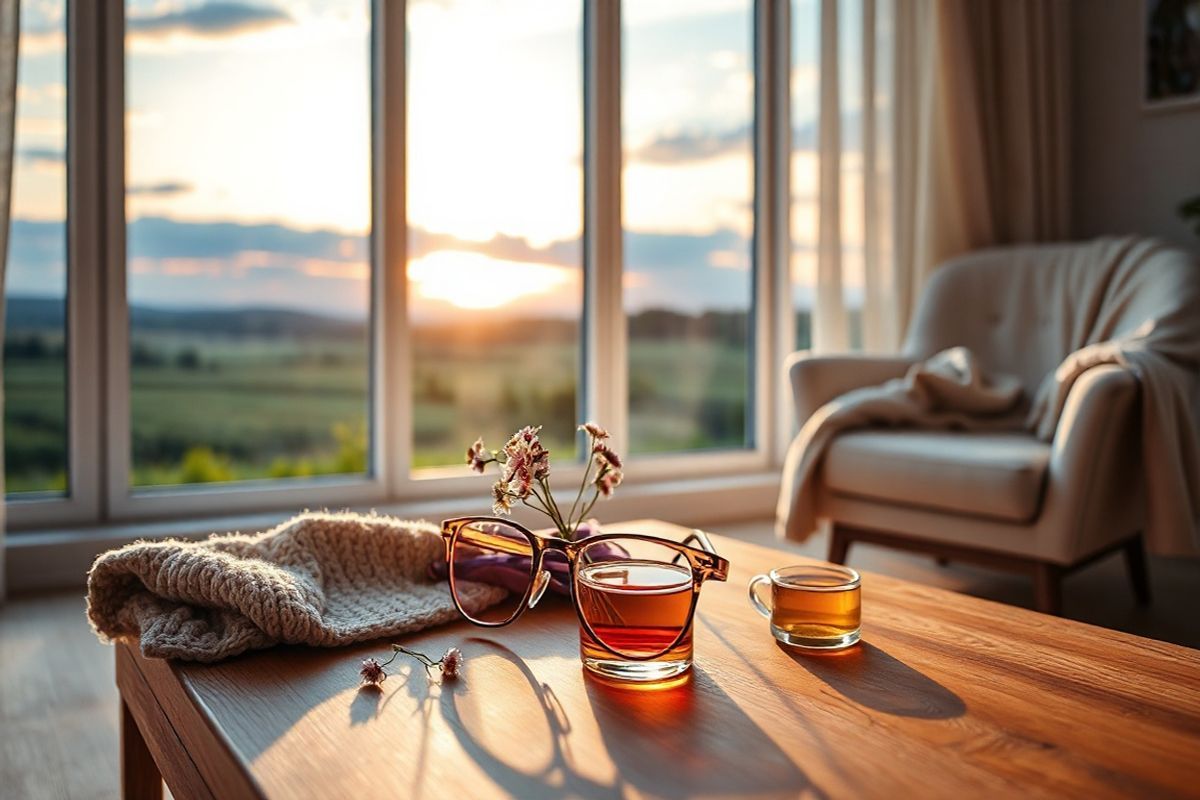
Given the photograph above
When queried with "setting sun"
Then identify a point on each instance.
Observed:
(474, 281)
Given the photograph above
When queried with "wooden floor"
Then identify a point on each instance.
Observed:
(58, 701)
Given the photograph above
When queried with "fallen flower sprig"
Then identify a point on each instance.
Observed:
(450, 664)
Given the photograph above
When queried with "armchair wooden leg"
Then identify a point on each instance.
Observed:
(839, 545)
(1135, 562)
(1047, 586)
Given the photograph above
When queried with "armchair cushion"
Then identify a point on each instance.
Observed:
(997, 475)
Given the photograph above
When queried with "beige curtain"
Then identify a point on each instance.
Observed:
(9, 30)
(962, 143)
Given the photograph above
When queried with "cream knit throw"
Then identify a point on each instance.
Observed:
(319, 579)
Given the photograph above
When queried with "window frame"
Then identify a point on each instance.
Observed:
(98, 313)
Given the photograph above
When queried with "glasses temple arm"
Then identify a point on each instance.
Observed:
(700, 537)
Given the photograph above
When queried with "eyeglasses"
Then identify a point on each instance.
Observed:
(498, 569)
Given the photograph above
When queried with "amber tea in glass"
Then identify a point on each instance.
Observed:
(817, 607)
(640, 610)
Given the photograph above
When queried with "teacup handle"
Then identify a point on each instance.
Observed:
(753, 590)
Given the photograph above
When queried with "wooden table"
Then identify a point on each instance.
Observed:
(947, 696)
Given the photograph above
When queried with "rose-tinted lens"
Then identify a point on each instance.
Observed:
(635, 596)
(491, 567)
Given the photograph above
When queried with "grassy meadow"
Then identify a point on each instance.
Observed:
(252, 394)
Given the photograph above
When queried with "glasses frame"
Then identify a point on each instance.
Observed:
(704, 563)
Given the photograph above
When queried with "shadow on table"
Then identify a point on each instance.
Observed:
(680, 739)
(534, 763)
(688, 739)
(876, 680)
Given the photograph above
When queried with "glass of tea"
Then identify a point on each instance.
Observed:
(635, 617)
(813, 606)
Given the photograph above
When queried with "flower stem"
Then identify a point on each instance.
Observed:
(424, 659)
(595, 497)
(540, 507)
(587, 468)
(551, 509)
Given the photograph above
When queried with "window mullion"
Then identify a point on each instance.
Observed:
(115, 325)
(392, 397)
(605, 327)
(776, 317)
(85, 237)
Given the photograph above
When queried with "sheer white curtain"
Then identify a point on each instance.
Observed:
(9, 29)
(959, 142)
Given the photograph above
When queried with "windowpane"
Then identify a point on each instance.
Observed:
(248, 180)
(495, 193)
(35, 409)
(688, 118)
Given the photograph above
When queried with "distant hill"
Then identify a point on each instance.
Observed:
(48, 314)
(265, 322)
(34, 313)
(40, 314)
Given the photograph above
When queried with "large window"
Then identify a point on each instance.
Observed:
(317, 247)
(248, 202)
(35, 340)
(495, 211)
(688, 137)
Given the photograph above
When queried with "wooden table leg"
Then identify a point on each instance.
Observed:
(140, 778)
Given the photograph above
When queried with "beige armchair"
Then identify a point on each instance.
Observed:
(1007, 500)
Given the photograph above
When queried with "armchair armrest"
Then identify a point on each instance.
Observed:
(818, 379)
(1094, 471)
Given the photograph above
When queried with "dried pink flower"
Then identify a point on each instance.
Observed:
(525, 453)
(526, 462)
(501, 499)
(478, 456)
(608, 481)
(452, 661)
(605, 456)
(372, 672)
(594, 430)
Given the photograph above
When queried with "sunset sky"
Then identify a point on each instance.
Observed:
(248, 163)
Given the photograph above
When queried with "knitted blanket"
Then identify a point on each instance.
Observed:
(318, 579)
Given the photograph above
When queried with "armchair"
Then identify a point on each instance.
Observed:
(1008, 500)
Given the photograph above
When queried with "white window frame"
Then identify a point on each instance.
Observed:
(98, 312)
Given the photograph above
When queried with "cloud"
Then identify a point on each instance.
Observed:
(160, 189)
(696, 145)
(566, 253)
(687, 147)
(41, 156)
(160, 237)
(50, 92)
(37, 255)
(182, 263)
(39, 40)
(210, 20)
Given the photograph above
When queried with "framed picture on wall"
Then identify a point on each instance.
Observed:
(1171, 61)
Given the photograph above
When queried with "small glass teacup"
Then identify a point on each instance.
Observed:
(813, 606)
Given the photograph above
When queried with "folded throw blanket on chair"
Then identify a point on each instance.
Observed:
(319, 579)
(1146, 319)
(946, 391)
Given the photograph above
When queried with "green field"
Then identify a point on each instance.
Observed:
(35, 429)
(268, 400)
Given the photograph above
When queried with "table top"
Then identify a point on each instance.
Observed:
(947, 695)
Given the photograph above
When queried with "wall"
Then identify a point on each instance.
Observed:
(1131, 167)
